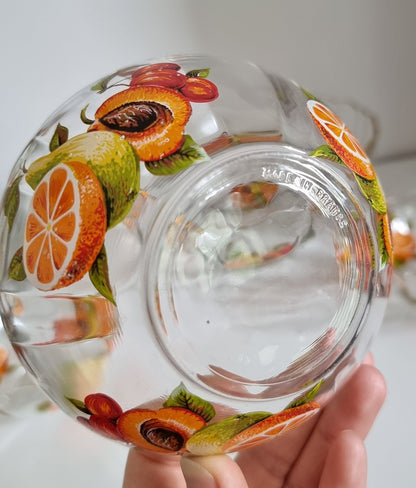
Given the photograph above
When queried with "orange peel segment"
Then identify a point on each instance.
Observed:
(341, 140)
(165, 430)
(151, 118)
(65, 226)
(270, 427)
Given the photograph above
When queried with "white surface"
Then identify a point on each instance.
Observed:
(50, 50)
(361, 51)
(391, 443)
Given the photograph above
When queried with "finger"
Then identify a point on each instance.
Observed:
(346, 464)
(369, 359)
(354, 408)
(212, 472)
(269, 464)
(152, 471)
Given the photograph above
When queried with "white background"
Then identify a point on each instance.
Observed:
(361, 51)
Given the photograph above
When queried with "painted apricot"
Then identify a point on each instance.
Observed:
(271, 427)
(165, 430)
(199, 90)
(102, 405)
(151, 118)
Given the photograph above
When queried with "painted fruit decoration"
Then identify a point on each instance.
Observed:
(343, 148)
(86, 186)
(153, 112)
(187, 423)
(110, 157)
(65, 227)
(88, 183)
(151, 118)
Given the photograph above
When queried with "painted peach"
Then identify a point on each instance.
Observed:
(165, 430)
(151, 118)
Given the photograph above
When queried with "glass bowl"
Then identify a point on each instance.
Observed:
(195, 254)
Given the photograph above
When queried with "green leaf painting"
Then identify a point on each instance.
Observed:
(306, 397)
(373, 192)
(181, 397)
(16, 268)
(188, 154)
(12, 201)
(326, 152)
(100, 278)
(60, 136)
(198, 73)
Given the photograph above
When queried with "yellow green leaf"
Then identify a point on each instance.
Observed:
(198, 73)
(12, 201)
(306, 397)
(188, 154)
(210, 439)
(16, 269)
(384, 240)
(326, 152)
(373, 193)
(181, 397)
(100, 278)
(60, 136)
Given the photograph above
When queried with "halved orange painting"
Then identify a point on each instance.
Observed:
(341, 140)
(65, 226)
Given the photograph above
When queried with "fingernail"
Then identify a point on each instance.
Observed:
(196, 476)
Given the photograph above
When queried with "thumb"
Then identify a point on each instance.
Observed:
(212, 472)
(346, 464)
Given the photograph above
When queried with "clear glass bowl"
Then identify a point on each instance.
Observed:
(195, 254)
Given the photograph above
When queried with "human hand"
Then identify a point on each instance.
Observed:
(326, 452)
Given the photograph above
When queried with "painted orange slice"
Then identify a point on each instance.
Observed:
(271, 427)
(65, 227)
(341, 140)
(165, 430)
(151, 118)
